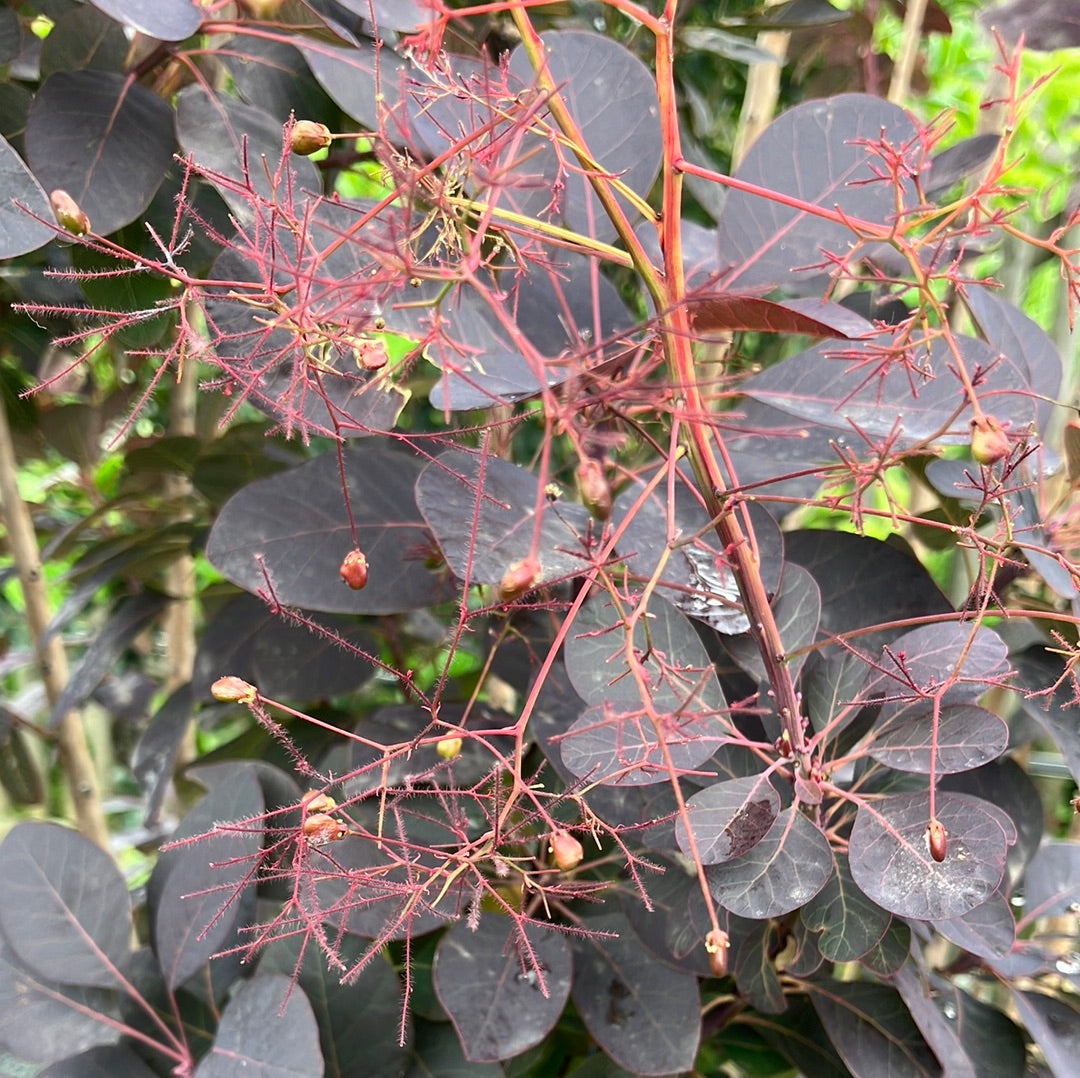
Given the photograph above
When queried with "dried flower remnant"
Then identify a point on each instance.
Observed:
(354, 570)
(307, 137)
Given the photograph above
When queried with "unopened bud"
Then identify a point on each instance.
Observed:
(354, 569)
(317, 802)
(935, 840)
(716, 947)
(594, 489)
(233, 690)
(989, 442)
(449, 747)
(565, 850)
(521, 577)
(307, 136)
(69, 214)
(319, 829)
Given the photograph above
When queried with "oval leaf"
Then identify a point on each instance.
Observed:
(166, 20)
(19, 232)
(268, 1029)
(782, 872)
(729, 819)
(104, 139)
(966, 737)
(503, 993)
(891, 862)
(64, 907)
(293, 529)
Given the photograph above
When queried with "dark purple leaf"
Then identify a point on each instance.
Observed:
(166, 20)
(64, 907)
(503, 994)
(894, 949)
(925, 658)
(11, 37)
(941, 1035)
(1005, 784)
(873, 1031)
(797, 611)
(799, 1035)
(1054, 1025)
(755, 970)
(735, 311)
(830, 685)
(363, 79)
(782, 872)
(1043, 554)
(295, 527)
(564, 310)
(816, 152)
(891, 862)
(43, 1020)
(729, 819)
(696, 576)
(644, 1015)
(113, 1061)
(194, 890)
(104, 139)
(920, 399)
(244, 144)
(992, 1041)
(127, 621)
(615, 740)
(965, 737)
(1052, 883)
(850, 925)
(436, 1053)
(483, 513)
(674, 929)
(1045, 25)
(864, 582)
(19, 232)
(359, 1022)
(1055, 712)
(1027, 345)
(286, 661)
(988, 931)
(268, 1029)
(154, 757)
(406, 16)
(611, 96)
(957, 162)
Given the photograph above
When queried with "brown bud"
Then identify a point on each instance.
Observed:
(565, 850)
(716, 947)
(69, 215)
(989, 442)
(521, 577)
(307, 136)
(594, 489)
(370, 353)
(448, 747)
(354, 570)
(317, 802)
(319, 829)
(935, 840)
(233, 690)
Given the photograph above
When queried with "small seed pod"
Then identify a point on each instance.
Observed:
(354, 569)
(233, 690)
(594, 489)
(69, 214)
(565, 850)
(307, 136)
(716, 947)
(989, 442)
(519, 578)
(370, 353)
(935, 840)
(449, 747)
(319, 829)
